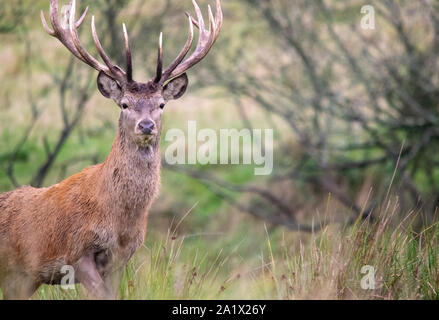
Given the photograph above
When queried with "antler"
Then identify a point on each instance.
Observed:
(70, 39)
(206, 40)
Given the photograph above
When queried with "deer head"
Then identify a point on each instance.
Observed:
(141, 103)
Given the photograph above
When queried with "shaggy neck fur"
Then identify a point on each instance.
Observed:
(130, 176)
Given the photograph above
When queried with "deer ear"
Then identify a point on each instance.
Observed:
(109, 87)
(176, 87)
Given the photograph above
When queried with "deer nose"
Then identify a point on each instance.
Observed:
(146, 126)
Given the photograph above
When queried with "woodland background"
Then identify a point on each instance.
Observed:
(355, 116)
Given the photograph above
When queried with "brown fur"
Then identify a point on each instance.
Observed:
(102, 209)
(95, 220)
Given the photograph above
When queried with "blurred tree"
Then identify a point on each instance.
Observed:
(11, 13)
(358, 103)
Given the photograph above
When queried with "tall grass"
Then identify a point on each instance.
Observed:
(263, 264)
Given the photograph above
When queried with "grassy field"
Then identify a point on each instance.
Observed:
(259, 264)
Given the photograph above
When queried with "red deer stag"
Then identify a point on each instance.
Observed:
(95, 220)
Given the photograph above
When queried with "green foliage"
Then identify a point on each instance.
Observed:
(11, 14)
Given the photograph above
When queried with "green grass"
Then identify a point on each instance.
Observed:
(259, 264)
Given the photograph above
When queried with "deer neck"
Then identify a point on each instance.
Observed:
(130, 176)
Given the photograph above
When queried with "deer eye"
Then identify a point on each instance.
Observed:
(124, 106)
(162, 105)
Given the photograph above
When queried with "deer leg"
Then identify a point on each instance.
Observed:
(18, 286)
(109, 271)
(88, 275)
(112, 282)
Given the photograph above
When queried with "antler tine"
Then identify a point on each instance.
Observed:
(159, 73)
(110, 69)
(195, 22)
(129, 71)
(212, 27)
(80, 20)
(182, 53)
(206, 38)
(54, 15)
(98, 44)
(70, 39)
(58, 32)
(45, 25)
(199, 14)
(78, 45)
(218, 18)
